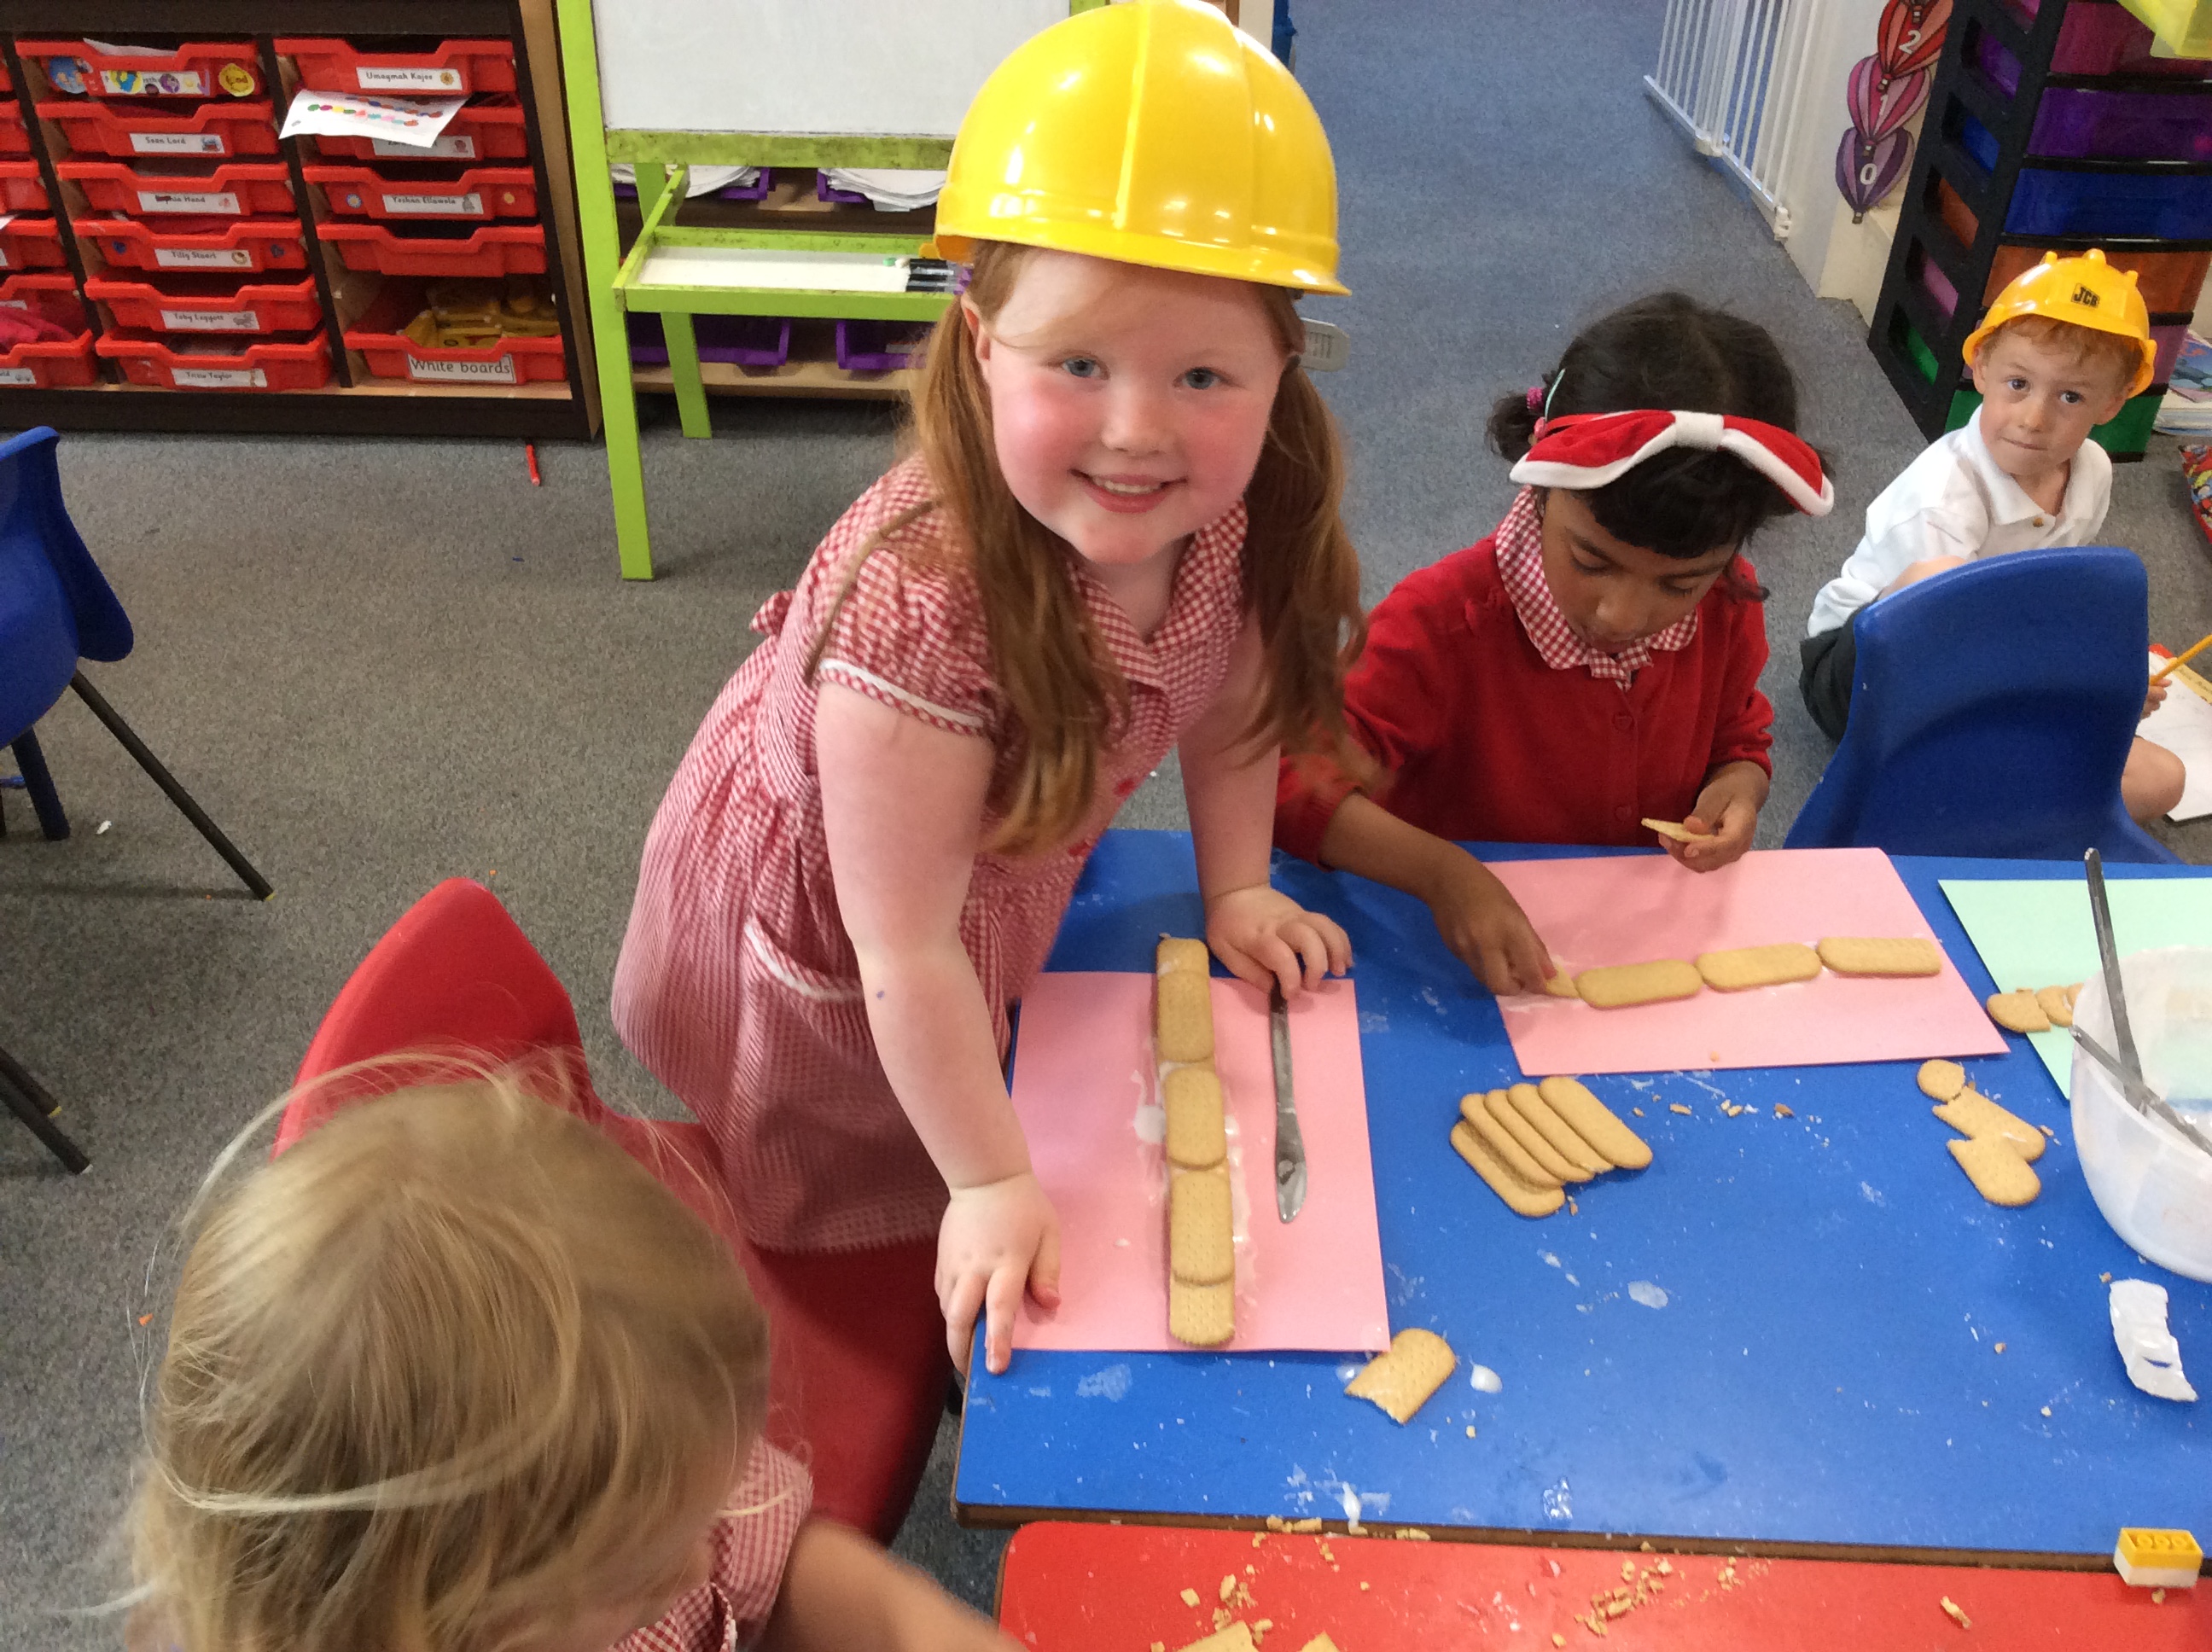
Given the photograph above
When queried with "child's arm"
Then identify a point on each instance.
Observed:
(1256, 929)
(1728, 808)
(1737, 775)
(841, 1591)
(902, 807)
(1476, 914)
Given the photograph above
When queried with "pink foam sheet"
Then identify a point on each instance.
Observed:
(1086, 1089)
(1630, 909)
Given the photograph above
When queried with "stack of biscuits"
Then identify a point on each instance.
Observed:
(1201, 1247)
(1528, 1142)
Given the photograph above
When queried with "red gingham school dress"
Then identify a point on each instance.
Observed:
(752, 1541)
(737, 985)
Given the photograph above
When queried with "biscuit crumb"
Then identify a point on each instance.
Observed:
(1311, 1523)
(2046, 1411)
(1228, 1586)
(1645, 1547)
(1222, 1617)
(1952, 1610)
(1190, 1597)
(1665, 1567)
(1251, 1570)
(1470, 1431)
(1782, 1110)
(2158, 1597)
(1557, 1639)
(1326, 1554)
(2104, 1278)
(1573, 1209)
(1259, 1630)
(2000, 1347)
(1363, 1586)
(1638, 1112)
(1628, 1570)
(1411, 1534)
(1159, 1646)
(1676, 1107)
(1275, 1523)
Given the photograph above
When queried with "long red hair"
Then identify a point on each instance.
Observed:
(1301, 575)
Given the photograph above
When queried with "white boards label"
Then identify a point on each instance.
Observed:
(501, 372)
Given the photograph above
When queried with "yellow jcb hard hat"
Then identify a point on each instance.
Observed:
(2085, 291)
(1154, 132)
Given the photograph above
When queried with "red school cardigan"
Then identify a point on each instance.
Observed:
(1479, 739)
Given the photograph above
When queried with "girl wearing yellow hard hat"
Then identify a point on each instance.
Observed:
(1116, 535)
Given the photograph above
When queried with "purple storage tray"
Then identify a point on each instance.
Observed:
(2094, 40)
(874, 346)
(2077, 121)
(824, 191)
(745, 340)
(756, 190)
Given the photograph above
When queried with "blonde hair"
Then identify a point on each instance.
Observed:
(2120, 357)
(1301, 574)
(441, 1362)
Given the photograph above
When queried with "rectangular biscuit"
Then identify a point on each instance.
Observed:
(1196, 1137)
(1994, 1165)
(1879, 955)
(1972, 1113)
(1521, 1198)
(1475, 1110)
(1561, 986)
(1745, 967)
(1202, 1316)
(1556, 1164)
(1183, 1022)
(1529, 1101)
(1402, 1376)
(1594, 1122)
(1201, 1247)
(1180, 954)
(1617, 987)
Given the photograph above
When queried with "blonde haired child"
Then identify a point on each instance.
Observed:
(455, 1374)
(1117, 534)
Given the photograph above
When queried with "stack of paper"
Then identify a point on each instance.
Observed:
(888, 189)
(2187, 409)
(2184, 726)
(705, 180)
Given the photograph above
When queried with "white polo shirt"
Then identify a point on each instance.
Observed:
(1954, 500)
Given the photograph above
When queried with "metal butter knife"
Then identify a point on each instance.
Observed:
(1290, 1145)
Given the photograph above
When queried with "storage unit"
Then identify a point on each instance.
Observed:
(389, 354)
(2051, 127)
(221, 273)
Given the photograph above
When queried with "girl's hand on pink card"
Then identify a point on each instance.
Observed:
(1478, 918)
(996, 1241)
(1265, 938)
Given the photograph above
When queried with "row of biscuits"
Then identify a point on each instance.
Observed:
(1614, 986)
(1201, 1230)
(1529, 1141)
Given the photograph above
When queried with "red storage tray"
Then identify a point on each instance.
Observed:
(328, 65)
(21, 189)
(493, 250)
(477, 192)
(211, 304)
(392, 355)
(147, 360)
(51, 296)
(239, 190)
(66, 363)
(14, 137)
(489, 131)
(211, 130)
(247, 246)
(31, 244)
(201, 69)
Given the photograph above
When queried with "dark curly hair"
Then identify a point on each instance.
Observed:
(1669, 351)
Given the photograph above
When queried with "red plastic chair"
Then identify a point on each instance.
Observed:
(858, 1367)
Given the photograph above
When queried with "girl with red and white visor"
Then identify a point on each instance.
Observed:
(1595, 661)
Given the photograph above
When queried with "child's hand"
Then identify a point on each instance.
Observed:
(2155, 698)
(1728, 809)
(996, 1240)
(1265, 937)
(1926, 569)
(1485, 926)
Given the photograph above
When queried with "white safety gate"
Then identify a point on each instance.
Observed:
(1732, 73)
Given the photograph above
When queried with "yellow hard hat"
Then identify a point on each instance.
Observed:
(2085, 291)
(1153, 132)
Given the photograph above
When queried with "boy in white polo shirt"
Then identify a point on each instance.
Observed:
(2060, 352)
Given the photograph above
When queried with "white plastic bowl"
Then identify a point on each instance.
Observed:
(2153, 1185)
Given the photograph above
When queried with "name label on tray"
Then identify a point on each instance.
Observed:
(408, 80)
(212, 320)
(201, 257)
(18, 376)
(220, 378)
(224, 202)
(4, 263)
(178, 143)
(445, 149)
(501, 372)
(443, 206)
(153, 83)
(15, 303)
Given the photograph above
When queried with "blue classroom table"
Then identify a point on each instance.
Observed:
(1824, 1374)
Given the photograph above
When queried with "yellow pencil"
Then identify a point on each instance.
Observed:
(2168, 669)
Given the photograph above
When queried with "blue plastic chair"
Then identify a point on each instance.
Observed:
(56, 608)
(1991, 713)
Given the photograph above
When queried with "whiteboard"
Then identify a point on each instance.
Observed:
(858, 67)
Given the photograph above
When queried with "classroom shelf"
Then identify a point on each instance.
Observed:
(186, 293)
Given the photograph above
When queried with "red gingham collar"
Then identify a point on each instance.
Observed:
(1520, 548)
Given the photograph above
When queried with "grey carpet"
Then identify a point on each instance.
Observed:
(382, 663)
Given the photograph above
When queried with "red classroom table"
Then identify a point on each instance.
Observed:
(1084, 1588)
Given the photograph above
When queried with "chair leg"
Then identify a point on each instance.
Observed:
(28, 1101)
(39, 783)
(176, 794)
